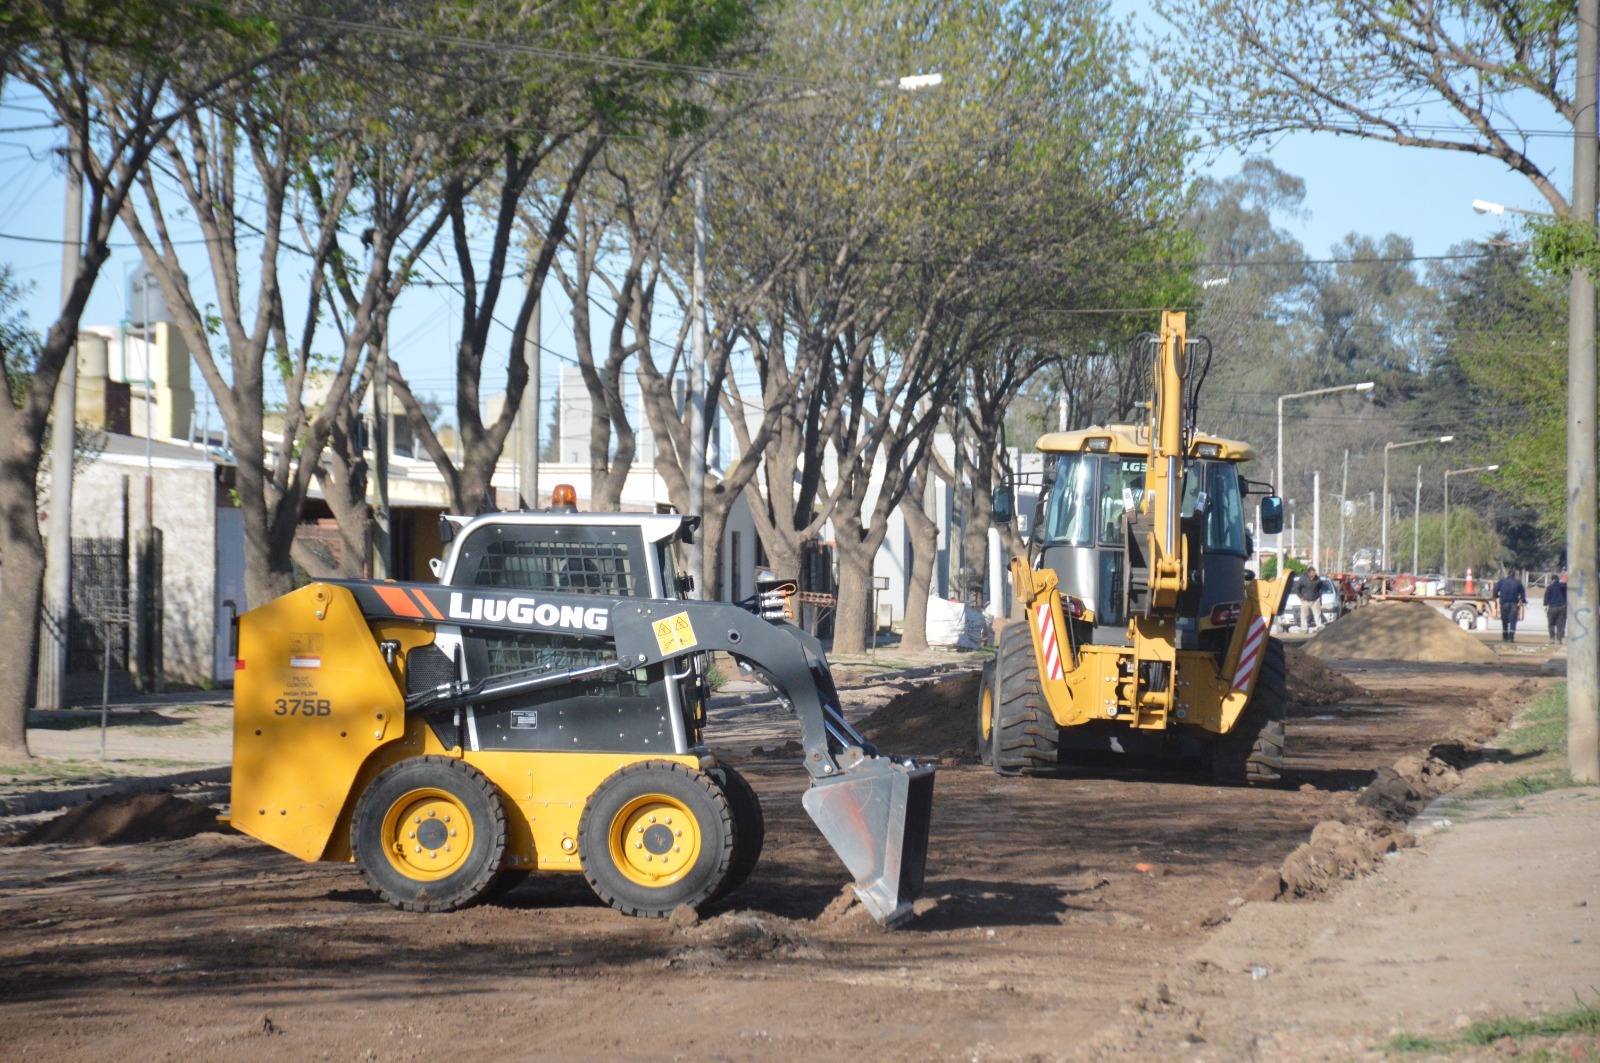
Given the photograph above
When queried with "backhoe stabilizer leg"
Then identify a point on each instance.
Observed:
(876, 815)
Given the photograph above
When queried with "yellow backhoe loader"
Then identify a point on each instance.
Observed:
(1145, 631)
(541, 709)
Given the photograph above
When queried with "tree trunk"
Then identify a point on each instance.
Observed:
(852, 616)
(20, 604)
(269, 572)
(714, 521)
(924, 546)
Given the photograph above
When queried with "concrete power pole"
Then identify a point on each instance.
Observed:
(382, 543)
(697, 389)
(1583, 654)
(57, 611)
(528, 465)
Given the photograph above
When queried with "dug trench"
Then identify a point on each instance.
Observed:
(1052, 907)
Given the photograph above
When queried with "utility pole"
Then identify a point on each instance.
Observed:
(1583, 654)
(1316, 520)
(697, 387)
(1344, 503)
(57, 611)
(529, 414)
(1416, 524)
(382, 544)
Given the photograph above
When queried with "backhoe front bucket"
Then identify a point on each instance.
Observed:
(875, 816)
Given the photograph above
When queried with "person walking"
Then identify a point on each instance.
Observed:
(1512, 596)
(1308, 588)
(1555, 609)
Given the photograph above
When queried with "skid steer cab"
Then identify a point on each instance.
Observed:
(541, 709)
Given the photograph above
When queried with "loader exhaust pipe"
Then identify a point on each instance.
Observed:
(876, 815)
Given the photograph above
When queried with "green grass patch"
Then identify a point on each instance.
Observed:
(1537, 742)
(1526, 785)
(1542, 726)
(1583, 1020)
(1410, 1042)
(182, 729)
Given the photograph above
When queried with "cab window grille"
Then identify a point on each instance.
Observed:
(517, 652)
(555, 565)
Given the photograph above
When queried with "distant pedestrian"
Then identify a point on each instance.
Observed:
(1308, 588)
(1555, 609)
(1512, 596)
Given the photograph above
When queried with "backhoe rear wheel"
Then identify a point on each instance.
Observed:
(654, 835)
(1024, 735)
(749, 827)
(986, 706)
(1252, 753)
(429, 834)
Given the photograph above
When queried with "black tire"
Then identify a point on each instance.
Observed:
(407, 839)
(1465, 616)
(654, 874)
(1025, 734)
(1252, 753)
(749, 828)
(986, 707)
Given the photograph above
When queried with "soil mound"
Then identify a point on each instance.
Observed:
(938, 718)
(1397, 631)
(1313, 683)
(125, 819)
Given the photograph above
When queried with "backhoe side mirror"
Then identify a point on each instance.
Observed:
(1005, 505)
(1271, 515)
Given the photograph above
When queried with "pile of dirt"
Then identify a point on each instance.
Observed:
(1313, 683)
(124, 819)
(934, 719)
(1397, 631)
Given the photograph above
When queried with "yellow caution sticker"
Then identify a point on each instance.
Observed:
(675, 634)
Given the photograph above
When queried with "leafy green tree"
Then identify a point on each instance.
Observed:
(1504, 331)
(990, 195)
(557, 119)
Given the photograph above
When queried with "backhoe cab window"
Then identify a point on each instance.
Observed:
(1069, 512)
(1218, 483)
(1121, 491)
(1091, 494)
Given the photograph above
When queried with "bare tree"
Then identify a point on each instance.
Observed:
(1426, 75)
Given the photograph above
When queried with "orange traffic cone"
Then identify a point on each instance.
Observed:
(1469, 588)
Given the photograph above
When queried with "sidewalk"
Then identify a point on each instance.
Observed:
(1495, 913)
(151, 742)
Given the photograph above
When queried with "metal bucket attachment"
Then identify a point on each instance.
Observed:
(875, 816)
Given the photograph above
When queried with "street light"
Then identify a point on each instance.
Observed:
(1483, 206)
(1449, 473)
(1386, 448)
(1365, 385)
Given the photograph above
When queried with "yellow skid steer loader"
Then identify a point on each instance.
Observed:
(540, 709)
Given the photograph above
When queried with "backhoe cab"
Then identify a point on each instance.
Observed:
(1145, 631)
(541, 709)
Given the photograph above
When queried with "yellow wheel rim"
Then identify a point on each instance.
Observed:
(654, 840)
(986, 711)
(427, 834)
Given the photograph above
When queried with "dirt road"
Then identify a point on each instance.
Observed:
(1062, 917)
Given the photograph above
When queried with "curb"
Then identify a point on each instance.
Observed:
(50, 801)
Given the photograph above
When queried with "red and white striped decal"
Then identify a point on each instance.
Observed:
(1250, 657)
(1050, 651)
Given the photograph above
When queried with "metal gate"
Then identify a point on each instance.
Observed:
(99, 589)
